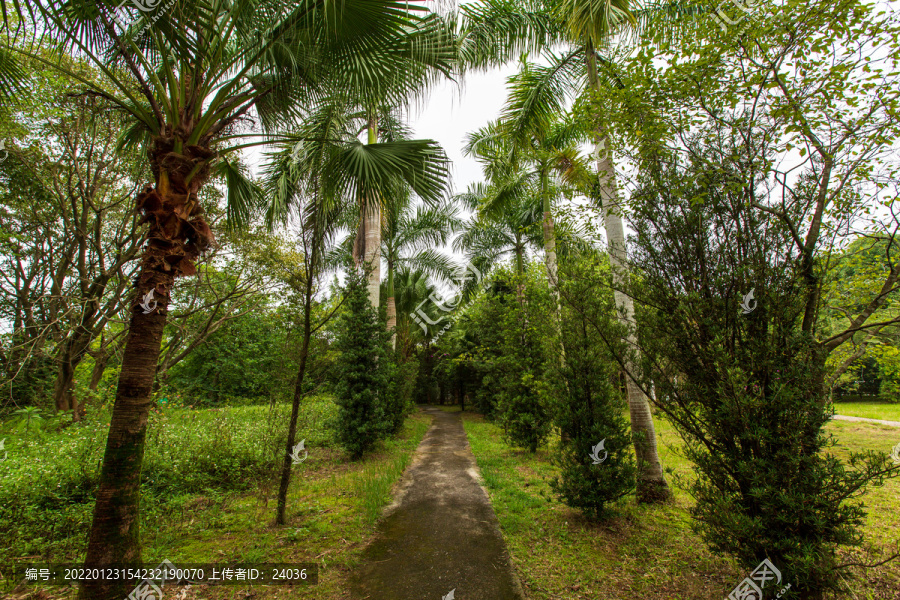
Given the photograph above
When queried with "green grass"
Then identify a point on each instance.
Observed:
(333, 503)
(646, 552)
(869, 410)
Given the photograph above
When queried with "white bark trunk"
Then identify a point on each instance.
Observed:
(550, 255)
(392, 321)
(372, 257)
(651, 479)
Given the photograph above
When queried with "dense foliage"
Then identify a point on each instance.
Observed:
(587, 399)
(368, 409)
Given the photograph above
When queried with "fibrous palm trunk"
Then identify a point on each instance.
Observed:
(177, 235)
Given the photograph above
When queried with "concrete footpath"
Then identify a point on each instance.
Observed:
(865, 420)
(440, 535)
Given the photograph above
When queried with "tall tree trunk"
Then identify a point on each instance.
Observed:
(520, 272)
(651, 480)
(549, 242)
(177, 235)
(651, 483)
(392, 320)
(367, 249)
(115, 535)
(295, 407)
(550, 260)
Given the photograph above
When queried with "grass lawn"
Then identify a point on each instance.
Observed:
(332, 508)
(647, 552)
(869, 410)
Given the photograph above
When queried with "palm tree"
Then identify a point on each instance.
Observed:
(411, 287)
(511, 228)
(542, 163)
(429, 54)
(411, 235)
(587, 26)
(312, 181)
(188, 77)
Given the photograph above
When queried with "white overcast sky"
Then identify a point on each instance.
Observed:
(452, 110)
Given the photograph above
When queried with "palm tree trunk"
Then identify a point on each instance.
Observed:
(550, 259)
(651, 484)
(549, 242)
(392, 320)
(391, 306)
(651, 480)
(177, 235)
(520, 271)
(368, 238)
(115, 534)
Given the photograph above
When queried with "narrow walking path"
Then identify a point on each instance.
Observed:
(441, 533)
(865, 420)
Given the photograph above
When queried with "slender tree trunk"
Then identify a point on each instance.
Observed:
(295, 407)
(550, 260)
(549, 242)
(177, 235)
(391, 306)
(651, 480)
(520, 272)
(101, 357)
(392, 320)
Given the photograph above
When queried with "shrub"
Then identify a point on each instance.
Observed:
(521, 409)
(367, 412)
(587, 406)
(743, 382)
